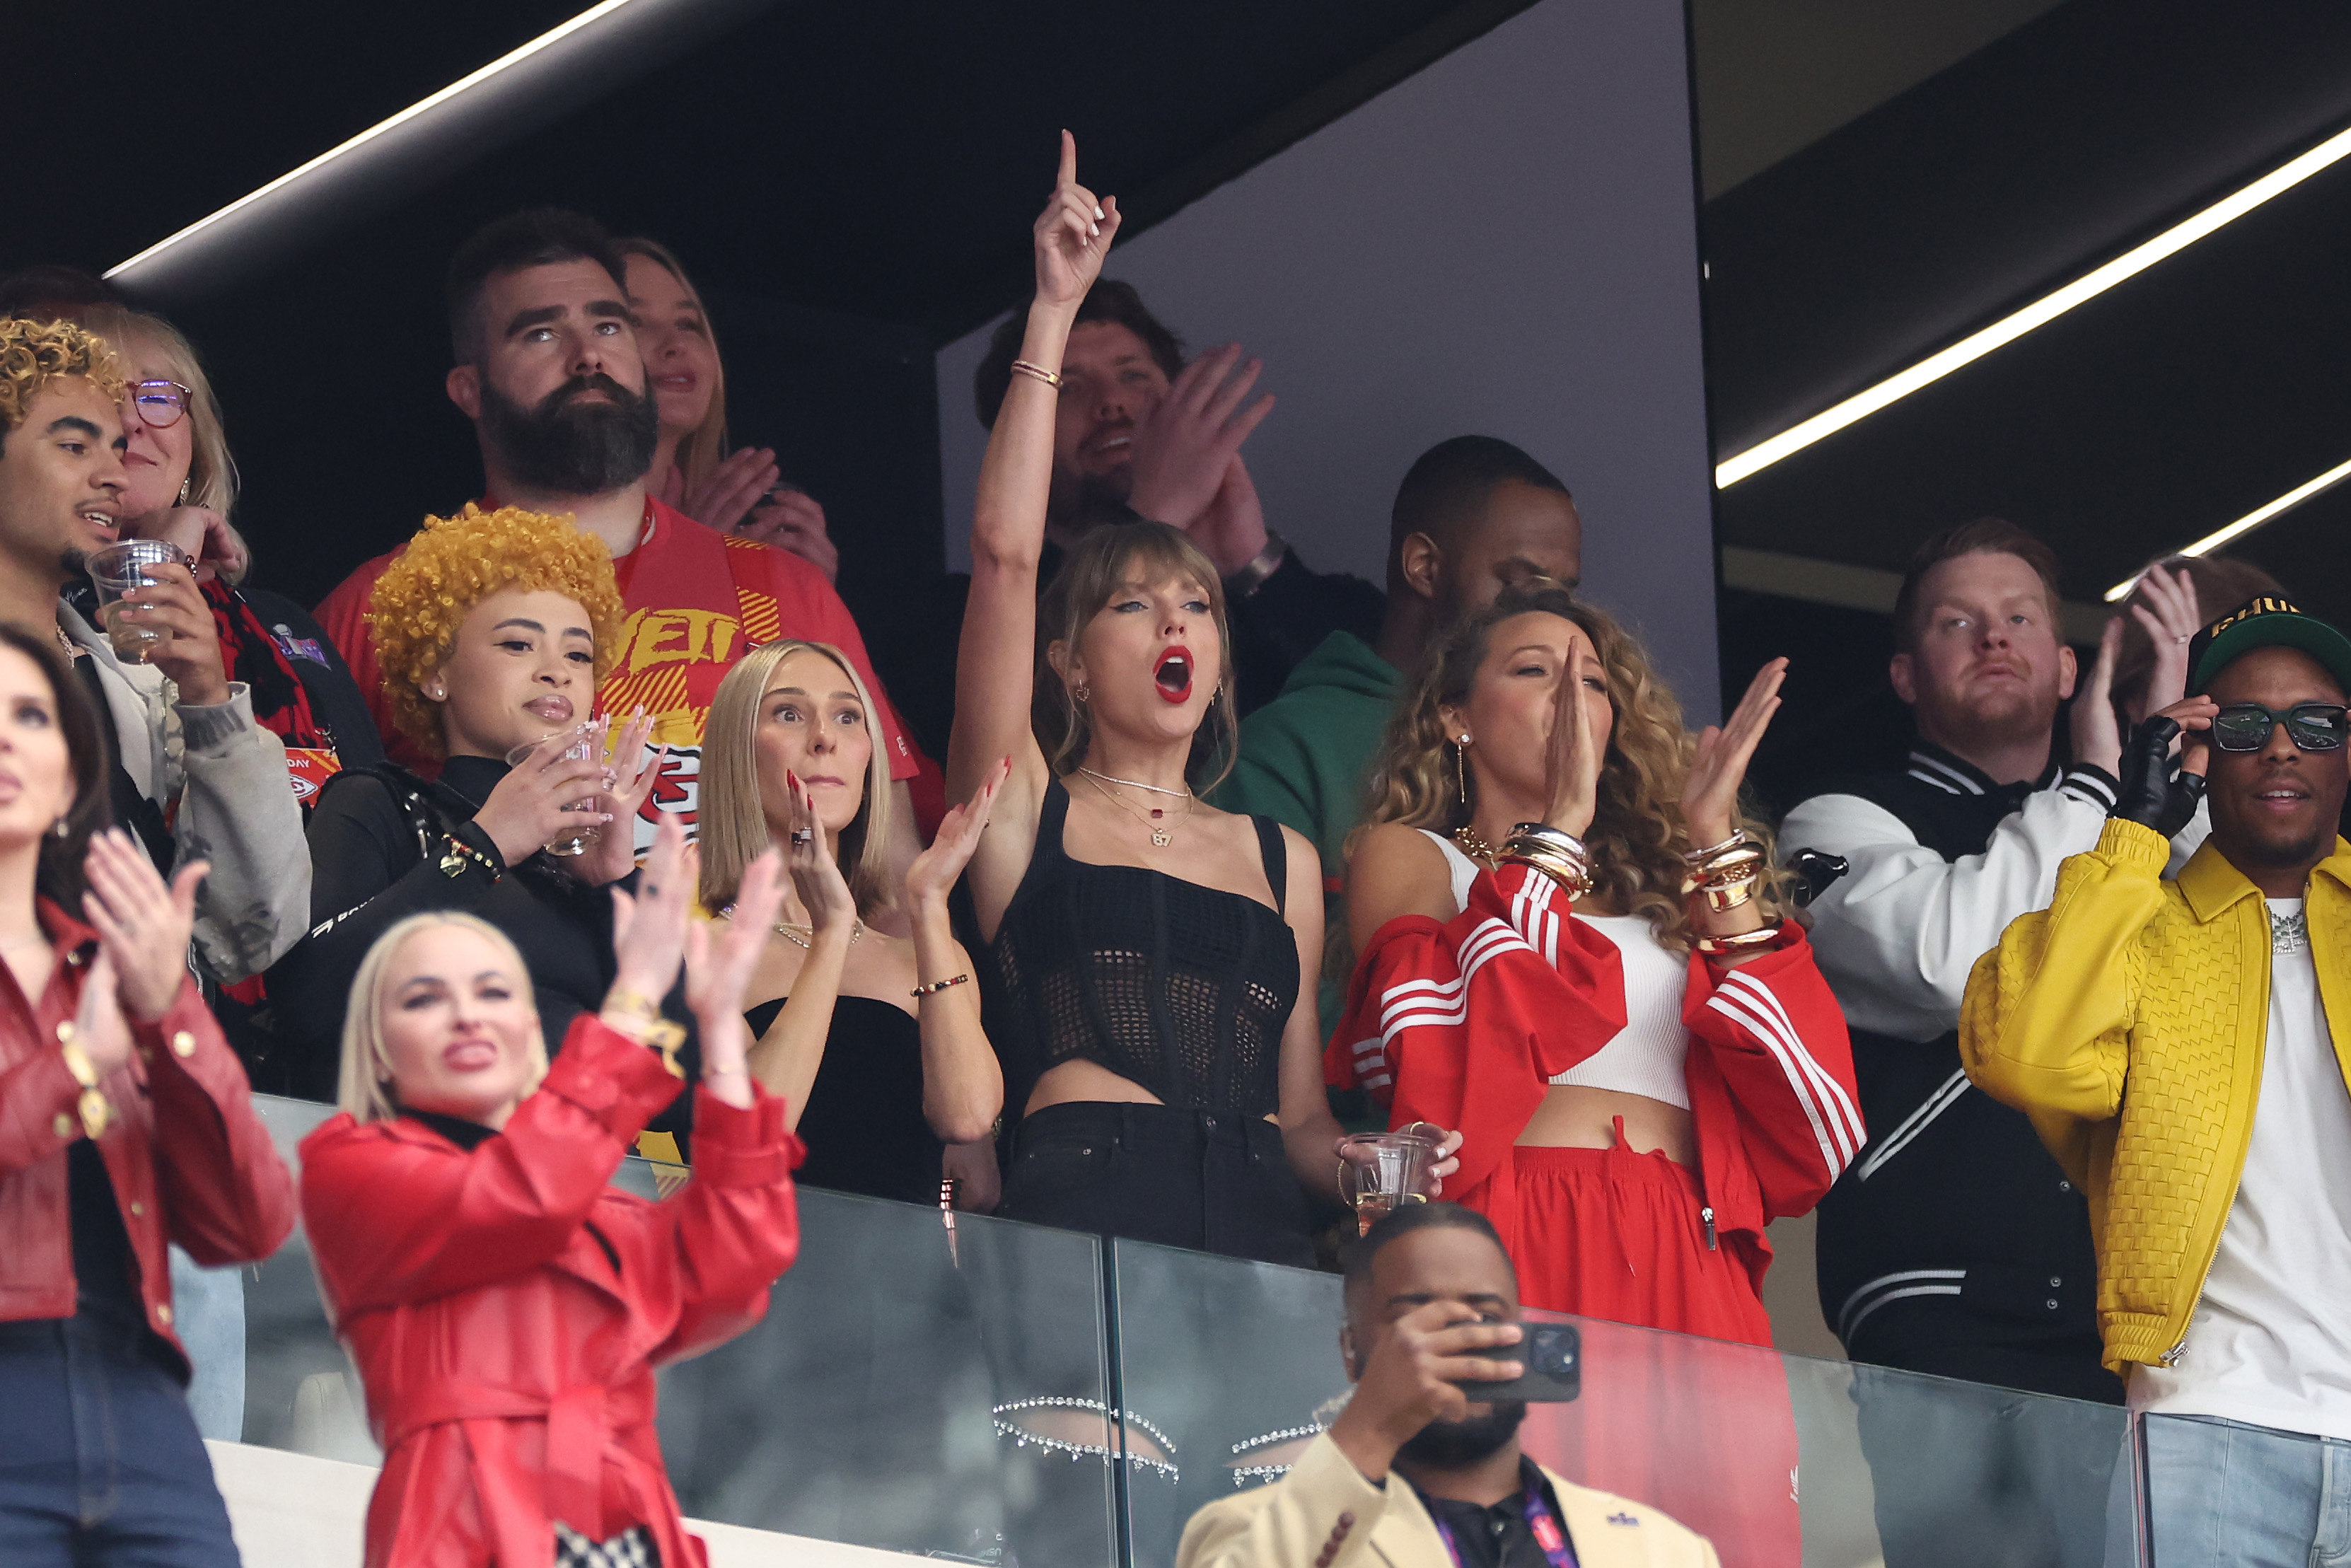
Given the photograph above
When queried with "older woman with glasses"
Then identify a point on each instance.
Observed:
(182, 488)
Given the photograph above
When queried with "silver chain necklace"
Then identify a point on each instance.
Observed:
(1136, 784)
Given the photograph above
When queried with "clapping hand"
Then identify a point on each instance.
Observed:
(1187, 448)
(792, 520)
(1572, 753)
(142, 925)
(935, 871)
(2165, 606)
(2097, 737)
(719, 966)
(731, 491)
(1711, 793)
(815, 869)
(1074, 234)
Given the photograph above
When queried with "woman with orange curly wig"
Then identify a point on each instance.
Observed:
(492, 631)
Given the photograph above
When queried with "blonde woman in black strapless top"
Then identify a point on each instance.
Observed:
(1161, 1054)
(873, 1041)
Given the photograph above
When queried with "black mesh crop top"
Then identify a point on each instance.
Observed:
(1183, 989)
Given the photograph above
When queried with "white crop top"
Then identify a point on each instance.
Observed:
(1646, 1056)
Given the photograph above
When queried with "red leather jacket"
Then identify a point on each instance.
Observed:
(506, 1307)
(190, 1160)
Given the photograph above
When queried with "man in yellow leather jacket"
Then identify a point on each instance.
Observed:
(2183, 1048)
(1432, 1301)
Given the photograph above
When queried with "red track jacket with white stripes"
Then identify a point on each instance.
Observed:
(1463, 1023)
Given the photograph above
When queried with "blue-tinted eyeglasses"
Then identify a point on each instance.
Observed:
(160, 404)
(2313, 727)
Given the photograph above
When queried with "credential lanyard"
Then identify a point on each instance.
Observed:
(1539, 1521)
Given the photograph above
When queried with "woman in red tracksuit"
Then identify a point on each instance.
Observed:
(1568, 951)
(506, 1307)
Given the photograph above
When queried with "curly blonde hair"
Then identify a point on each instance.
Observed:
(454, 563)
(34, 353)
(1638, 837)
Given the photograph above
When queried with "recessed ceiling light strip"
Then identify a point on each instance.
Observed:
(2041, 311)
(2244, 525)
(454, 90)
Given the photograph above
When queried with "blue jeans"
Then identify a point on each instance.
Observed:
(2224, 1494)
(101, 1464)
(208, 1314)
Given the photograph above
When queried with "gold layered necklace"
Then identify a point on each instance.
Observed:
(1161, 837)
(1474, 844)
(805, 935)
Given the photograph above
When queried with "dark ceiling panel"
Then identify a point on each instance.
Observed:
(2170, 406)
(2019, 168)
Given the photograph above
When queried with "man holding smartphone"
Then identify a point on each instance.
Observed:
(1413, 1467)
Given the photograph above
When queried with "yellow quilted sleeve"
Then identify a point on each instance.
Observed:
(2045, 1025)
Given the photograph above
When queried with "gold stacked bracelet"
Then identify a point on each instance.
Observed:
(1725, 874)
(1725, 877)
(1558, 854)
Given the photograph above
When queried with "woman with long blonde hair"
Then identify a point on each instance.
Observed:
(874, 1041)
(1571, 948)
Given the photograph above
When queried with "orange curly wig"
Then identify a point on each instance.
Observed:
(34, 353)
(454, 563)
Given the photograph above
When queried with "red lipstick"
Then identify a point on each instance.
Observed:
(1173, 673)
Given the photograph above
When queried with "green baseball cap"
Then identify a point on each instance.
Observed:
(2267, 622)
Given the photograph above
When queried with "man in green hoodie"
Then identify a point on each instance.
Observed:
(1473, 515)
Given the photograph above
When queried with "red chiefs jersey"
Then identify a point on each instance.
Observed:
(1463, 1023)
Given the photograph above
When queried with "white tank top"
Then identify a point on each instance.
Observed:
(1646, 1056)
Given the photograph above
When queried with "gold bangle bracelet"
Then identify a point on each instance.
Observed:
(1739, 865)
(1724, 897)
(1572, 880)
(1742, 941)
(1029, 367)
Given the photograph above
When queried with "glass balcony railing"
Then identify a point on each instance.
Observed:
(1003, 1393)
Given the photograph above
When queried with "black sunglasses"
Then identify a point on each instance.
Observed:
(2313, 727)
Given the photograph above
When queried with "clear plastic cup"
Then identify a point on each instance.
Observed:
(115, 570)
(1380, 1172)
(582, 748)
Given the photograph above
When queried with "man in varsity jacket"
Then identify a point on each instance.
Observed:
(1954, 1245)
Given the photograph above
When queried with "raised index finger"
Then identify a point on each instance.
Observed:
(1069, 174)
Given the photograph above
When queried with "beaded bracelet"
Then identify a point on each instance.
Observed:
(936, 986)
(453, 862)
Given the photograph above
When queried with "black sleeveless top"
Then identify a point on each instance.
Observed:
(1183, 989)
(863, 1124)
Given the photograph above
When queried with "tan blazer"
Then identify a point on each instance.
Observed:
(1324, 1514)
